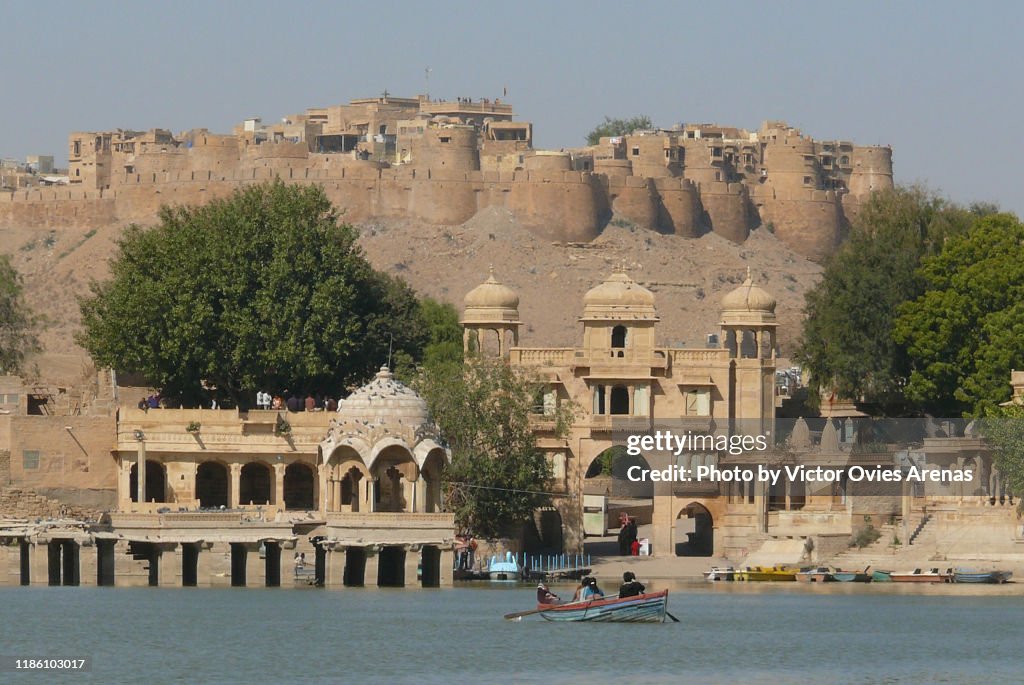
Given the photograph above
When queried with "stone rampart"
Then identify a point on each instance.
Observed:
(557, 204)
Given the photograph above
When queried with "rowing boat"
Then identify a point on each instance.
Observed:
(919, 576)
(647, 608)
(966, 576)
(762, 573)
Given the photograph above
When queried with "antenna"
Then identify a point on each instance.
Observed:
(426, 80)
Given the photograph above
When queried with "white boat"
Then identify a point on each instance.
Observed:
(720, 573)
(507, 570)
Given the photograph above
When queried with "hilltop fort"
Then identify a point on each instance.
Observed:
(443, 161)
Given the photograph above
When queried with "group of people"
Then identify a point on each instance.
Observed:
(293, 403)
(588, 590)
(151, 402)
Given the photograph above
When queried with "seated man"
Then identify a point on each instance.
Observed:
(545, 596)
(630, 587)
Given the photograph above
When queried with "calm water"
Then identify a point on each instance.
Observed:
(740, 635)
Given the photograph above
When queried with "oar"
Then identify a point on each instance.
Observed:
(520, 614)
(672, 617)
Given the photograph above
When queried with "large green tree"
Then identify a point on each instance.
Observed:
(17, 323)
(847, 345)
(618, 127)
(264, 289)
(965, 333)
(498, 475)
(1004, 429)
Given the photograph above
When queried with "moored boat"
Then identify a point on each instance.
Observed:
(646, 608)
(919, 576)
(880, 576)
(507, 570)
(852, 576)
(720, 573)
(815, 575)
(969, 576)
(766, 573)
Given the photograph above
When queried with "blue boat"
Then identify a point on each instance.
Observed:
(852, 576)
(993, 577)
(648, 608)
(880, 576)
(507, 570)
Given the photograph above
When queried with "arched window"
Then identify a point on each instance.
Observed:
(619, 339)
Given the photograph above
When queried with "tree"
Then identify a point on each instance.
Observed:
(263, 289)
(847, 345)
(17, 324)
(1003, 427)
(443, 334)
(618, 127)
(965, 333)
(498, 476)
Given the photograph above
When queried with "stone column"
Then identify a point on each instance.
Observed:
(124, 488)
(140, 474)
(372, 567)
(412, 563)
(234, 486)
(663, 526)
(279, 486)
(6, 558)
(447, 575)
(88, 563)
(420, 489)
(336, 557)
(39, 563)
(255, 567)
(322, 472)
(336, 494)
(169, 558)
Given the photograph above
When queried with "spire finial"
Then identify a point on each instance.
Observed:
(490, 274)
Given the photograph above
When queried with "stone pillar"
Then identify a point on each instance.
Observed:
(234, 485)
(6, 557)
(447, 575)
(88, 563)
(124, 487)
(39, 563)
(412, 564)
(255, 567)
(279, 486)
(336, 495)
(169, 559)
(372, 567)
(322, 472)
(336, 557)
(140, 474)
(663, 526)
(420, 489)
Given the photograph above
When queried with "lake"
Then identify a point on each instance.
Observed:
(745, 634)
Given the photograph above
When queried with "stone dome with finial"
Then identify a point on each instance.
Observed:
(491, 302)
(748, 304)
(619, 297)
(385, 398)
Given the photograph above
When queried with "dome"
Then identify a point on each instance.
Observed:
(748, 302)
(619, 297)
(384, 400)
(491, 302)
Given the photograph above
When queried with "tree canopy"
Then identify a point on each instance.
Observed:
(618, 127)
(498, 475)
(17, 323)
(965, 333)
(264, 289)
(847, 344)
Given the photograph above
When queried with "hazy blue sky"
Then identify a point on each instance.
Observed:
(939, 81)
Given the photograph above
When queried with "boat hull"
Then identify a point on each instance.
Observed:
(851, 577)
(771, 575)
(919, 577)
(881, 576)
(646, 608)
(989, 577)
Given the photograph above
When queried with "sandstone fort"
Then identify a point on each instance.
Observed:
(443, 161)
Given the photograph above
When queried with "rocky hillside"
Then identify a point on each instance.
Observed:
(689, 276)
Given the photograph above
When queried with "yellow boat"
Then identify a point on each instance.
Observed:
(766, 573)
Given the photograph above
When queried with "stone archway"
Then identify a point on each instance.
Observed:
(430, 474)
(212, 484)
(394, 473)
(611, 470)
(254, 484)
(156, 482)
(299, 487)
(699, 530)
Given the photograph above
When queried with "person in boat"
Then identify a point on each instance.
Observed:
(630, 586)
(590, 590)
(545, 596)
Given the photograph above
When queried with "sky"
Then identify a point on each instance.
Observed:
(939, 81)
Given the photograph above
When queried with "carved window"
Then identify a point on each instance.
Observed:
(698, 402)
